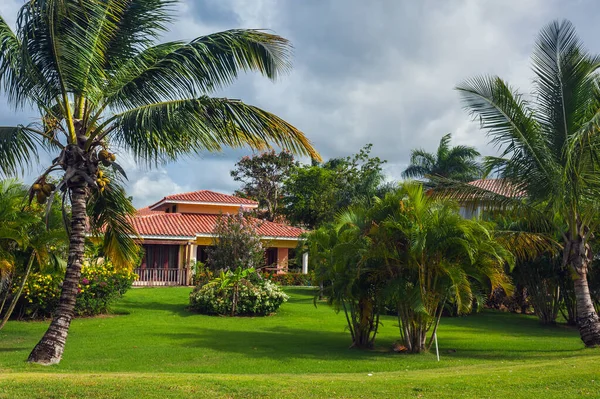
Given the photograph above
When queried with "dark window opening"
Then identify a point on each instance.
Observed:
(161, 257)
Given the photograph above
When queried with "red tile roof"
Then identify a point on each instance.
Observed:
(161, 224)
(205, 196)
(145, 211)
(500, 187)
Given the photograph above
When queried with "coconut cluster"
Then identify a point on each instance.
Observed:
(106, 157)
(42, 190)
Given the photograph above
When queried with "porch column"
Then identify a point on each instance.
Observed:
(193, 253)
(282, 260)
(305, 263)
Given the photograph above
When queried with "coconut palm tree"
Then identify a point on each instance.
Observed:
(102, 84)
(550, 148)
(456, 163)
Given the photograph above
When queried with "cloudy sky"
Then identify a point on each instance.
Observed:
(379, 71)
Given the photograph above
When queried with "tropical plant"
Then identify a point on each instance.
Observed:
(456, 163)
(101, 84)
(347, 277)
(549, 148)
(27, 243)
(241, 292)
(409, 251)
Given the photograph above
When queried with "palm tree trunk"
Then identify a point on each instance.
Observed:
(588, 322)
(52, 345)
(15, 298)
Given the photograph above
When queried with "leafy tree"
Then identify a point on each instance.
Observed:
(237, 245)
(310, 196)
(456, 163)
(315, 193)
(549, 148)
(101, 83)
(262, 176)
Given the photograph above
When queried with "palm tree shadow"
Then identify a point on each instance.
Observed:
(276, 342)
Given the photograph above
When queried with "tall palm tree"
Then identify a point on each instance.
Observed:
(456, 163)
(100, 82)
(550, 148)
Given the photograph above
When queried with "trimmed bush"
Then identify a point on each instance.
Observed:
(245, 297)
(98, 287)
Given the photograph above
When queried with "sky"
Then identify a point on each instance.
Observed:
(378, 71)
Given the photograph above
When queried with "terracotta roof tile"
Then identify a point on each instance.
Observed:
(500, 187)
(145, 211)
(190, 224)
(204, 196)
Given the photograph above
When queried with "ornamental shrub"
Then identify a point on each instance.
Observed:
(98, 288)
(248, 296)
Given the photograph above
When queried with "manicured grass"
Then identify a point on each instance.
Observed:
(152, 347)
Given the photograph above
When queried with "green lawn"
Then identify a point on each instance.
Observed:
(152, 347)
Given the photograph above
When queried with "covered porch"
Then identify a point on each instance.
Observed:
(167, 262)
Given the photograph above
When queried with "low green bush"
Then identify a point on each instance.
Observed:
(291, 279)
(98, 287)
(239, 293)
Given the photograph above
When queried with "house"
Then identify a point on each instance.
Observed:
(472, 205)
(176, 231)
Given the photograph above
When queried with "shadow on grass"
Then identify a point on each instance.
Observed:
(14, 349)
(126, 307)
(283, 343)
(279, 342)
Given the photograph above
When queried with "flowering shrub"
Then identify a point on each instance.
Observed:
(291, 279)
(247, 297)
(98, 287)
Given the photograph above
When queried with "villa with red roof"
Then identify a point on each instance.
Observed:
(176, 231)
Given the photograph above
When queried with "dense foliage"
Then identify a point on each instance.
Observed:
(315, 193)
(32, 238)
(291, 279)
(410, 252)
(237, 293)
(98, 288)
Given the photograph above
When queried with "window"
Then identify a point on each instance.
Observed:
(161, 256)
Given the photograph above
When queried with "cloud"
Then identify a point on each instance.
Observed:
(379, 72)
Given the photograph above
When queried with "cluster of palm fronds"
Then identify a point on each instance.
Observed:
(411, 252)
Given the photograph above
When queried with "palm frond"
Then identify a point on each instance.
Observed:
(18, 149)
(175, 70)
(137, 24)
(510, 123)
(564, 83)
(109, 217)
(167, 130)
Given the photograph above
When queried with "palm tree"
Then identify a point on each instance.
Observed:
(410, 251)
(456, 163)
(431, 257)
(100, 82)
(549, 147)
